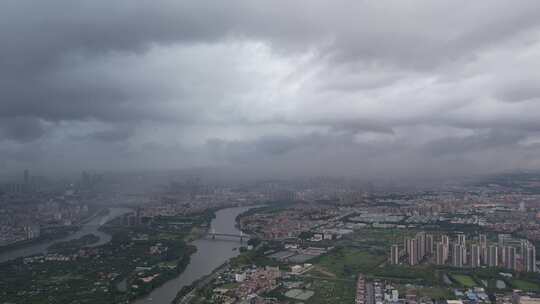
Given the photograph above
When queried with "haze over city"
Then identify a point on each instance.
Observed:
(303, 88)
(269, 152)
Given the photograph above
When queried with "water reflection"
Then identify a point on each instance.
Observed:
(210, 255)
(91, 227)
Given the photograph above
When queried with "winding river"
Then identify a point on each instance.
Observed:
(91, 227)
(210, 253)
(209, 256)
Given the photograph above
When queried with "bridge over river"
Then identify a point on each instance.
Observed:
(213, 234)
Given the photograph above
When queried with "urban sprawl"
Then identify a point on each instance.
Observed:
(307, 241)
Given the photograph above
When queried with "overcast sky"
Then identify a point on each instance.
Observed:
(368, 88)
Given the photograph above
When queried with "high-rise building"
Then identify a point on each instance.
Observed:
(459, 252)
(405, 247)
(475, 256)
(421, 243)
(482, 238)
(528, 256)
(464, 254)
(412, 251)
(531, 259)
(484, 255)
(503, 238)
(493, 256)
(32, 231)
(394, 255)
(456, 255)
(523, 254)
(509, 257)
(461, 239)
(445, 239)
(429, 244)
(441, 253)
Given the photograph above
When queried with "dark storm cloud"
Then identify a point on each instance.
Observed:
(308, 145)
(278, 145)
(113, 135)
(372, 84)
(484, 141)
(39, 36)
(21, 129)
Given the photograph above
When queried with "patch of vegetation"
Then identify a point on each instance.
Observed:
(437, 293)
(427, 275)
(525, 285)
(348, 262)
(464, 280)
(91, 275)
(332, 292)
(254, 257)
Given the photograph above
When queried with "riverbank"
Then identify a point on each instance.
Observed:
(45, 237)
(187, 292)
(210, 255)
(89, 227)
(143, 257)
(54, 234)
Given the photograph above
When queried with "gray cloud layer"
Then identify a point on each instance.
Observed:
(370, 88)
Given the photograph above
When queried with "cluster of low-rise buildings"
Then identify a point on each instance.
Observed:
(376, 292)
(290, 223)
(247, 284)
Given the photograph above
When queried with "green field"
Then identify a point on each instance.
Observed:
(525, 285)
(348, 262)
(376, 240)
(423, 274)
(464, 280)
(332, 292)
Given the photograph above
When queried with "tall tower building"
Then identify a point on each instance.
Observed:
(482, 238)
(412, 250)
(531, 259)
(421, 243)
(509, 254)
(429, 244)
(394, 254)
(503, 238)
(441, 253)
(461, 239)
(528, 256)
(458, 255)
(445, 239)
(484, 252)
(406, 245)
(475, 256)
(493, 256)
